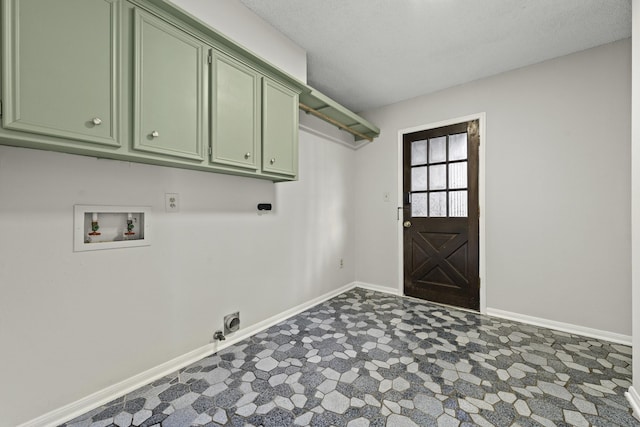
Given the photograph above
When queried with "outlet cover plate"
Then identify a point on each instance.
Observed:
(172, 202)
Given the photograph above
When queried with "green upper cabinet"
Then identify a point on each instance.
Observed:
(169, 89)
(144, 81)
(235, 113)
(279, 129)
(61, 68)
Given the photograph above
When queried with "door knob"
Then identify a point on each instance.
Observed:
(407, 224)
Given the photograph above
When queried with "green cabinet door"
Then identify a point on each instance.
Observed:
(279, 129)
(235, 113)
(169, 86)
(60, 64)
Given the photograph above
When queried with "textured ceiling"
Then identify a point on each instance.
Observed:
(370, 53)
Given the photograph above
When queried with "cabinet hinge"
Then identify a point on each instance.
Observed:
(210, 150)
(0, 108)
(209, 59)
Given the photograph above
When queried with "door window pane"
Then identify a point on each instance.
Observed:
(437, 177)
(458, 175)
(419, 178)
(419, 152)
(419, 204)
(438, 204)
(458, 204)
(458, 146)
(438, 149)
(440, 175)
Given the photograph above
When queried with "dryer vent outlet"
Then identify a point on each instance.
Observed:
(231, 323)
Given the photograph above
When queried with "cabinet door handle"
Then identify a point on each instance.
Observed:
(272, 161)
(246, 156)
(97, 121)
(155, 134)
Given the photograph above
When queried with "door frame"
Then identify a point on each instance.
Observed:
(482, 120)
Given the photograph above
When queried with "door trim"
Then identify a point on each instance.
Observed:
(481, 117)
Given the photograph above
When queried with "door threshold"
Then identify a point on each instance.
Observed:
(467, 310)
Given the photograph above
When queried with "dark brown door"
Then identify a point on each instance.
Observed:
(441, 215)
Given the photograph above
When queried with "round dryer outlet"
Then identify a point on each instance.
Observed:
(231, 323)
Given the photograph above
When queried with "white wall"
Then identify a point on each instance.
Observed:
(635, 196)
(74, 323)
(240, 24)
(557, 187)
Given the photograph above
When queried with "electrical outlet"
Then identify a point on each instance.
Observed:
(172, 202)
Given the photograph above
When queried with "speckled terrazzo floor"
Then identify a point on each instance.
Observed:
(369, 359)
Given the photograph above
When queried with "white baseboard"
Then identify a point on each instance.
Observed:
(378, 288)
(560, 326)
(99, 398)
(634, 400)
(88, 403)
